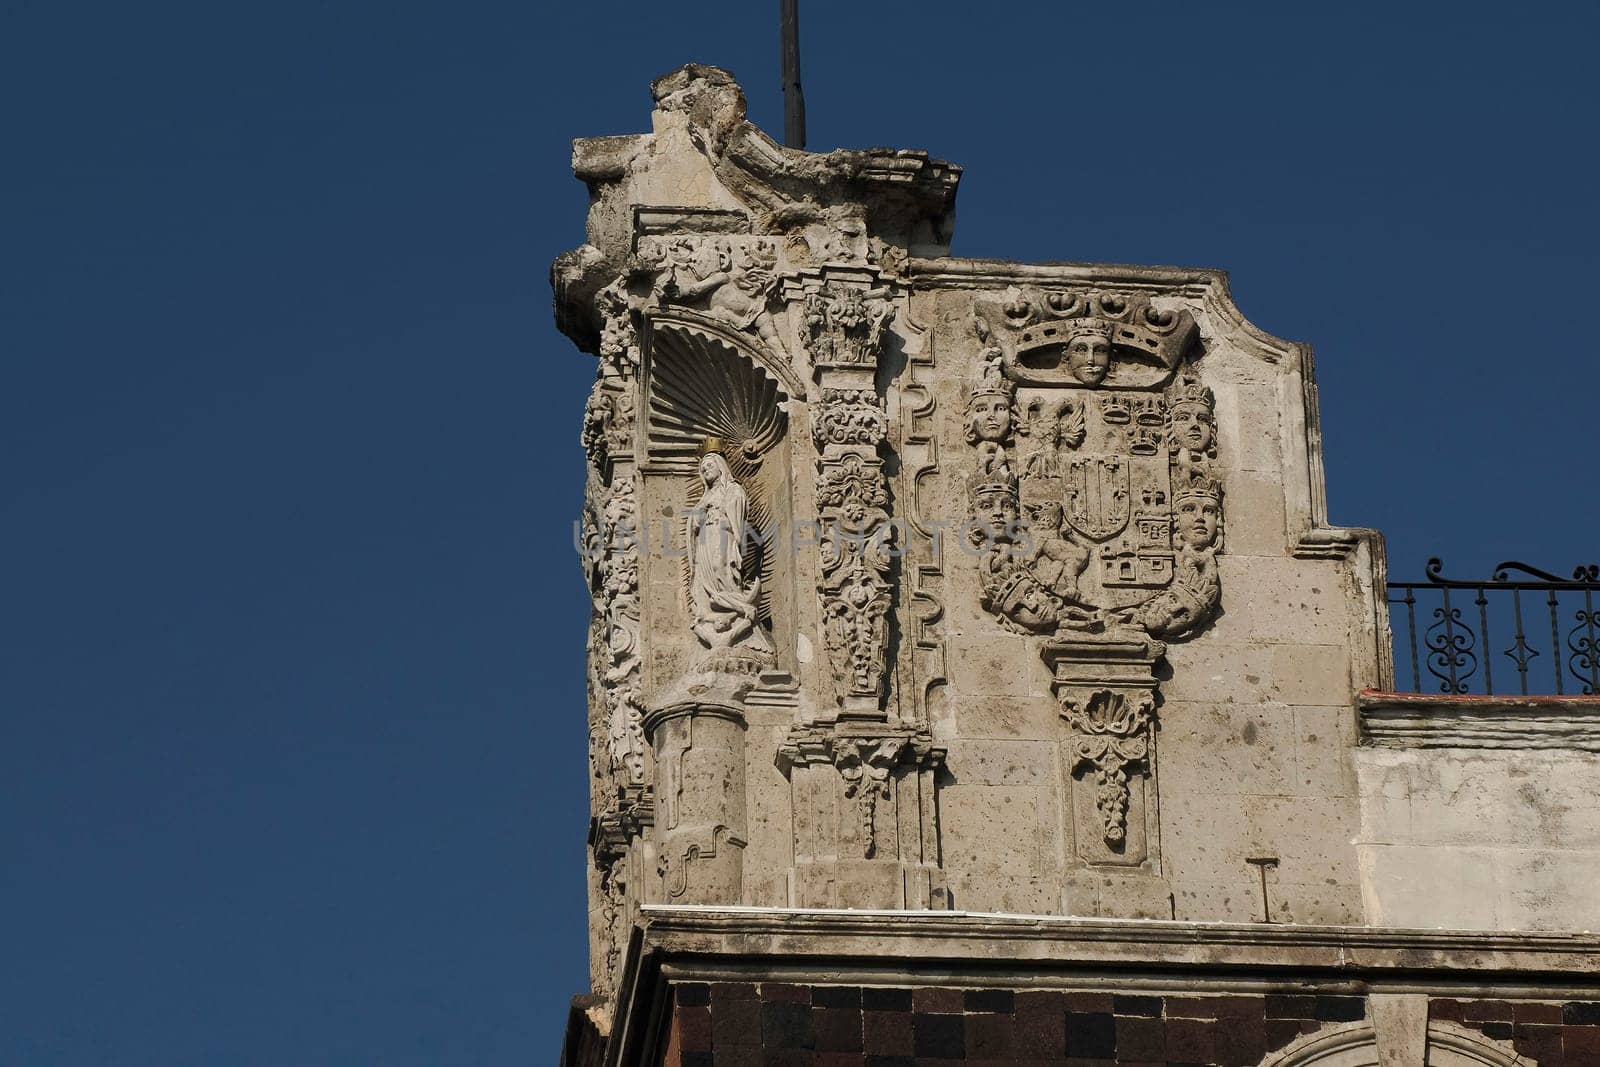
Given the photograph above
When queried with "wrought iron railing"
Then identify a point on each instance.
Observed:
(1452, 631)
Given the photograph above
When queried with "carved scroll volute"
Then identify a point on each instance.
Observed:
(842, 317)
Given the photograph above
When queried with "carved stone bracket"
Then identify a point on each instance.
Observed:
(1106, 690)
(1110, 733)
(866, 759)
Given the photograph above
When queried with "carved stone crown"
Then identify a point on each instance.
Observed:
(986, 483)
(1087, 327)
(1190, 392)
(994, 383)
(1200, 487)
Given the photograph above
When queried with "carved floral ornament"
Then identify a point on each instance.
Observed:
(1110, 735)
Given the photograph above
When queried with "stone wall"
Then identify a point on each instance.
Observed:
(1480, 814)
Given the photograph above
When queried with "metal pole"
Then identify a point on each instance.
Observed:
(794, 101)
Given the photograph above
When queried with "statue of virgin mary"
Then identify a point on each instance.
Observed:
(722, 603)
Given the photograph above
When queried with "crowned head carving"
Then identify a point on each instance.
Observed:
(1191, 418)
(1089, 350)
(994, 505)
(1197, 510)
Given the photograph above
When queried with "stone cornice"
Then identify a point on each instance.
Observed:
(675, 944)
(960, 272)
(1417, 720)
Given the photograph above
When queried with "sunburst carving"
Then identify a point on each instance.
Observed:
(702, 389)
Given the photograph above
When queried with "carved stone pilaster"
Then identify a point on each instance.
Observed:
(842, 321)
(869, 834)
(1106, 689)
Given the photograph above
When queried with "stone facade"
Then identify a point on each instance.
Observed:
(934, 584)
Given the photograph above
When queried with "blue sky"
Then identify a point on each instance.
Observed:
(291, 703)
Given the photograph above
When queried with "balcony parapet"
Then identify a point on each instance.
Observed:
(1419, 720)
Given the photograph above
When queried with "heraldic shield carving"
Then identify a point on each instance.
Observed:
(1097, 516)
(1093, 500)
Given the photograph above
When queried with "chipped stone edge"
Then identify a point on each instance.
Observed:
(1419, 720)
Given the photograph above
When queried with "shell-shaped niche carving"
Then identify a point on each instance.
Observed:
(707, 395)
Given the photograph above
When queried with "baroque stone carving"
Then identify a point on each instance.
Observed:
(867, 761)
(1110, 732)
(1104, 535)
(723, 597)
(1112, 520)
(731, 279)
(843, 325)
(843, 316)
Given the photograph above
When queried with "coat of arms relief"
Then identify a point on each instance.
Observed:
(1097, 518)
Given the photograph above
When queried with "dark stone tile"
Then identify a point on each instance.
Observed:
(886, 999)
(721, 991)
(939, 1036)
(786, 1058)
(891, 1061)
(1239, 1042)
(738, 1056)
(1279, 1032)
(1190, 1040)
(1040, 1002)
(838, 1059)
(930, 1000)
(786, 1026)
(1486, 1011)
(1538, 1042)
(735, 1023)
(1250, 1008)
(1498, 1031)
(1581, 1013)
(1041, 1033)
(1445, 1010)
(1089, 1061)
(1289, 1007)
(694, 1029)
(1581, 1044)
(789, 994)
(693, 995)
(997, 1001)
(1131, 1005)
(1192, 1007)
(887, 1033)
(697, 1059)
(836, 996)
(1140, 1038)
(990, 1036)
(1532, 1012)
(1341, 1009)
(836, 1029)
(1089, 1002)
(1092, 1035)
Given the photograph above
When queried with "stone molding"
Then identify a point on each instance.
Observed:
(1419, 720)
(673, 944)
(1443, 1044)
